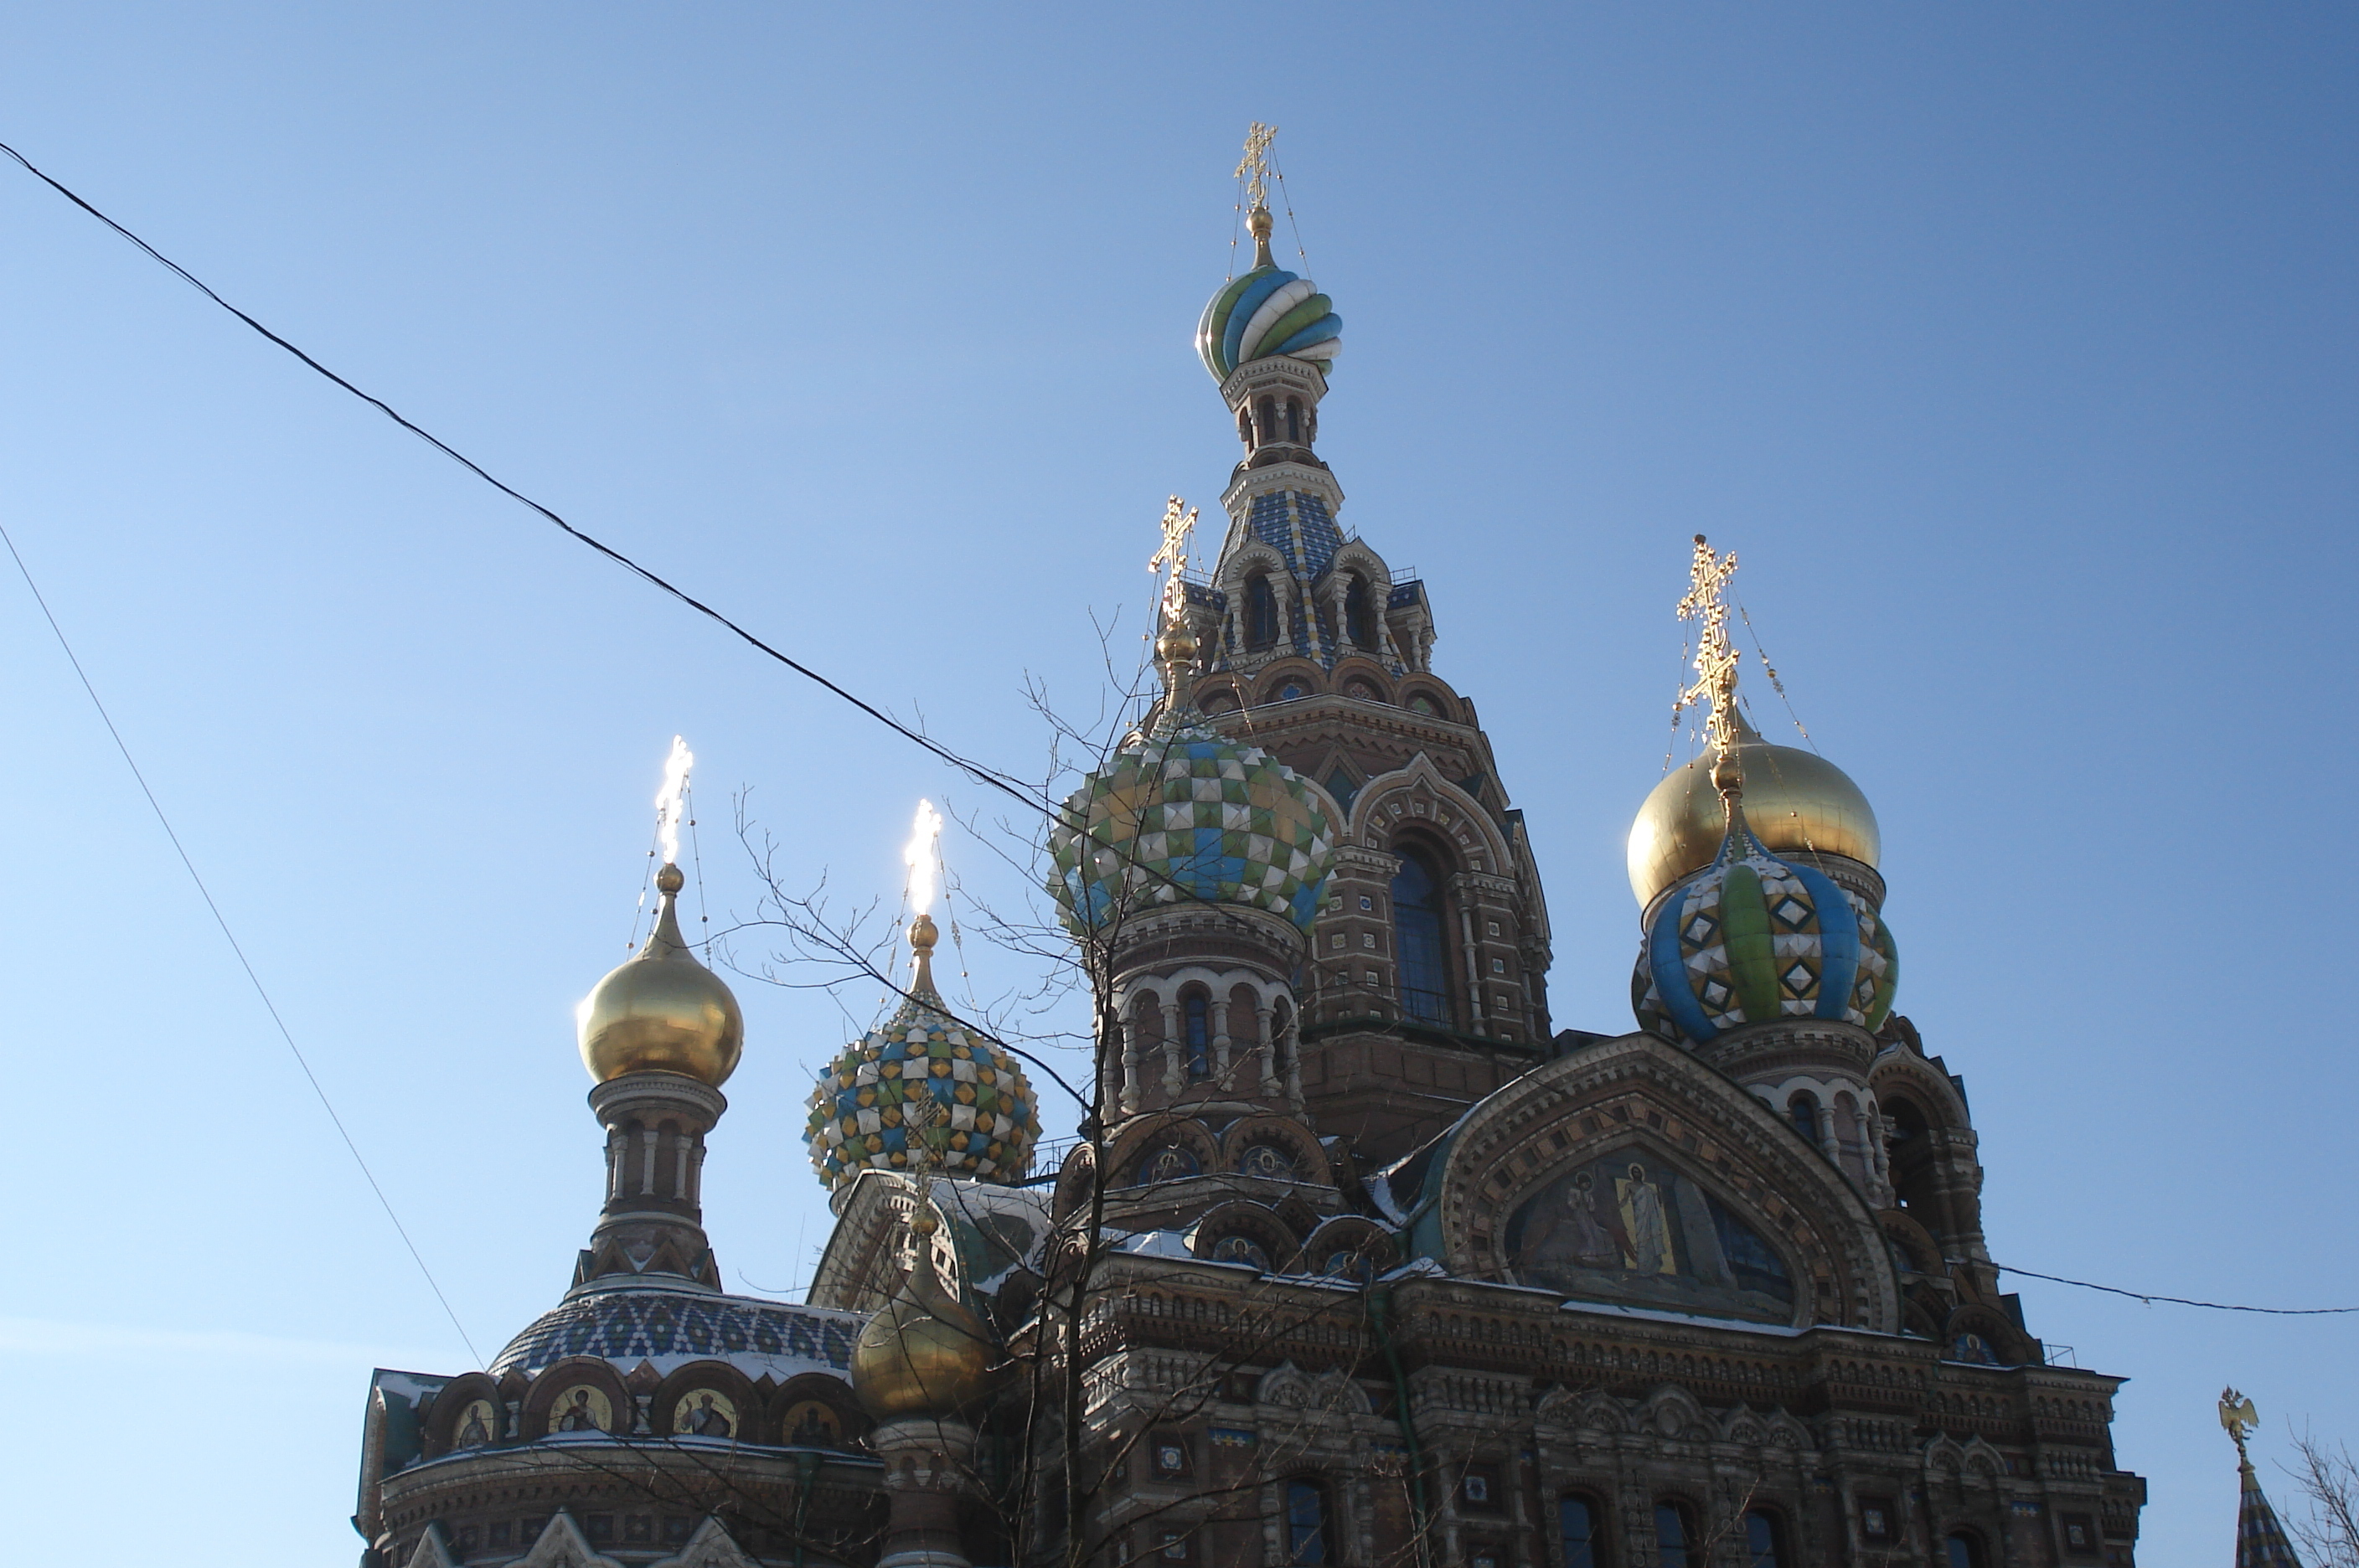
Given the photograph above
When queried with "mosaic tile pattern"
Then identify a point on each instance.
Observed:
(1184, 814)
(987, 1117)
(1753, 937)
(670, 1329)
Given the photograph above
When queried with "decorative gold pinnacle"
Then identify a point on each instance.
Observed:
(1179, 523)
(2237, 1415)
(1715, 663)
(1254, 167)
(1175, 645)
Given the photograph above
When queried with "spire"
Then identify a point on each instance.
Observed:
(922, 855)
(2260, 1541)
(1254, 169)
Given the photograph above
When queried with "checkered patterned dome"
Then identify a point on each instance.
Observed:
(986, 1120)
(1753, 937)
(1185, 814)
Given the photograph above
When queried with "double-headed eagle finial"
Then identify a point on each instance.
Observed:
(2237, 1415)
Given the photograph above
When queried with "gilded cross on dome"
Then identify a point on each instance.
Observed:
(1179, 523)
(1254, 167)
(1716, 660)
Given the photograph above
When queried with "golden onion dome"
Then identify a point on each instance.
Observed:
(925, 1355)
(1794, 800)
(660, 1011)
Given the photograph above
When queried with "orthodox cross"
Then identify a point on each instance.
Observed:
(1254, 167)
(1179, 522)
(1716, 660)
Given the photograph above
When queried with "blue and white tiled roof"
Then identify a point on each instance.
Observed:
(669, 1329)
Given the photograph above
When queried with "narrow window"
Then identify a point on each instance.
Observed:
(1306, 1524)
(1578, 1519)
(1764, 1541)
(1418, 942)
(1670, 1535)
(1266, 414)
(1293, 421)
(1804, 1109)
(1196, 1016)
(1244, 429)
(1357, 623)
(1261, 614)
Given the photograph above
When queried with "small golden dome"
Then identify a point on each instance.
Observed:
(925, 1355)
(660, 1011)
(1794, 800)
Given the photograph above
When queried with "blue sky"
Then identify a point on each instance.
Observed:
(2010, 346)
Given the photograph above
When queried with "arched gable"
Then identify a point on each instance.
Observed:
(1634, 1173)
(1285, 1133)
(1418, 796)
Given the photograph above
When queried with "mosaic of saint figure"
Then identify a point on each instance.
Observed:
(475, 1425)
(705, 1414)
(1619, 1230)
(581, 1409)
(810, 1425)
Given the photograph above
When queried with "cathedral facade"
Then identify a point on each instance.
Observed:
(1362, 1258)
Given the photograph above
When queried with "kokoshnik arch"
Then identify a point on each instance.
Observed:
(1714, 1290)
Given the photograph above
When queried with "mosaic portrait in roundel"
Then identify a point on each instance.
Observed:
(581, 1409)
(1629, 1229)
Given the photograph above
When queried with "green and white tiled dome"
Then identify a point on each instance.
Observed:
(1182, 814)
(987, 1117)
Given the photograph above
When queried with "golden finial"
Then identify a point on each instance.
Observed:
(1254, 169)
(1175, 645)
(1715, 665)
(922, 856)
(2237, 1414)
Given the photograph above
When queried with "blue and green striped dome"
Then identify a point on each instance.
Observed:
(1752, 937)
(1185, 814)
(1267, 311)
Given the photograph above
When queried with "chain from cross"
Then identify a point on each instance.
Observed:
(1254, 167)
(1715, 657)
(1179, 523)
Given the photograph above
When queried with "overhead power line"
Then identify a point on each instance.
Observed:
(234, 946)
(2181, 1300)
(978, 771)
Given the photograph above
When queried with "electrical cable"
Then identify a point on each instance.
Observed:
(975, 770)
(243, 963)
(2181, 1300)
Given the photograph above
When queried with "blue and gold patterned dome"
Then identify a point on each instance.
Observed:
(1753, 937)
(1183, 813)
(1267, 311)
(984, 1118)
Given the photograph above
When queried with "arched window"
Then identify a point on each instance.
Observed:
(1672, 1537)
(1196, 1033)
(1418, 942)
(1307, 1535)
(1261, 614)
(1293, 421)
(1765, 1539)
(1965, 1551)
(1804, 1110)
(1265, 415)
(1584, 1536)
(1358, 625)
